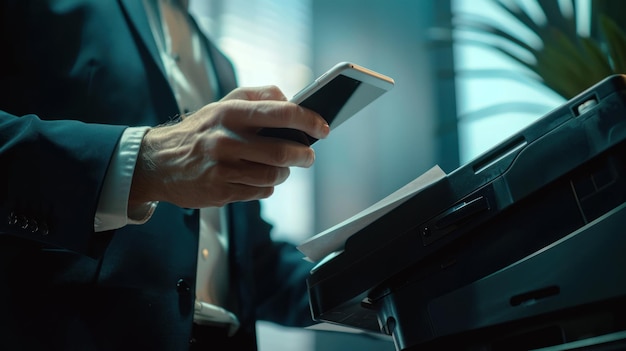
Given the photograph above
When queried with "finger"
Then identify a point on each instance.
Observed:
(253, 174)
(276, 152)
(229, 193)
(228, 148)
(275, 114)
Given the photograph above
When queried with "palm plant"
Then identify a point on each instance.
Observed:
(562, 59)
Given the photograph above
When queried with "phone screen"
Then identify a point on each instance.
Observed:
(329, 100)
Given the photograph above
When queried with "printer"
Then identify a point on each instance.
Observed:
(522, 248)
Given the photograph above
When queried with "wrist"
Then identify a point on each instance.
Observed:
(142, 190)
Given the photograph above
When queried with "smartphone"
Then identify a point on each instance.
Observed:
(336, 95)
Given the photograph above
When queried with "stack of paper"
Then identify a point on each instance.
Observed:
(334, 238)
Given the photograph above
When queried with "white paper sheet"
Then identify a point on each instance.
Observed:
(334, 238)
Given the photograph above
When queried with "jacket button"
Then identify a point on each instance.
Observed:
(12, 219)
(182, 286)
(22, 222)
(43, 229)
(32, 226)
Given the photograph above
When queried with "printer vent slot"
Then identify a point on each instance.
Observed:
(452, 218)
(506, 150)
(532, 297)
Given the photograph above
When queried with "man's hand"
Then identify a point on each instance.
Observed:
(214, 156)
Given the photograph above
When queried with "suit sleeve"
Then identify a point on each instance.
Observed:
(283, 292)
(52, 173)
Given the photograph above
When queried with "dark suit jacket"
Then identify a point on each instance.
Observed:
(62, 285)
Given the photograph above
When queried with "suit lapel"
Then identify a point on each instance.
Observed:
(136, 15)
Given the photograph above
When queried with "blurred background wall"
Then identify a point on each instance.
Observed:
(426, 120)
(399, 136)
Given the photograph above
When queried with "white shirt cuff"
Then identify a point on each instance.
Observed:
(112, 212)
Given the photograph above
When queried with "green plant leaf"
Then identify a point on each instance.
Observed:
(564, 61)
(599, 63)
(616, 43)
(520, 16)
(570, 67)
(555, 18)
(480, 25)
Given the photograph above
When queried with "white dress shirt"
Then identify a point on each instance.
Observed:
(193, 82)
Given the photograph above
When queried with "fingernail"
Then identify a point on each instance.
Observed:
(325, 129)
